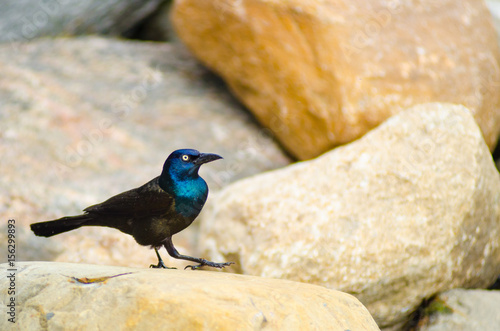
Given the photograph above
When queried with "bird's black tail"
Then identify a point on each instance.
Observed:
(51, 228)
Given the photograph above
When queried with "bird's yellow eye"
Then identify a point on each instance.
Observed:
(185, 158)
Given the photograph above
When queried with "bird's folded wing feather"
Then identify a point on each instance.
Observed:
(147, 200)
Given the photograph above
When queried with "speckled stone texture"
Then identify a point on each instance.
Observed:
(407, 211)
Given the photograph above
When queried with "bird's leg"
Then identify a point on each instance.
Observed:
(202, 262)
(160, 262)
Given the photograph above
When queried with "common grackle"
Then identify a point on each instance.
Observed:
(152, 213)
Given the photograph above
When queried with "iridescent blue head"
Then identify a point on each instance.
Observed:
(183, 165)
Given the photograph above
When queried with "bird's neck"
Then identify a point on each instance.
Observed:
(173, 182)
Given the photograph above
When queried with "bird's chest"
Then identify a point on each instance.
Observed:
(190, 198)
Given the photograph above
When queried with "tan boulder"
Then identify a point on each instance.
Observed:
(64, 296)
(322, 73)
(409, 210)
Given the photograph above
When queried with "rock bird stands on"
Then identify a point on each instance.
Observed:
(152, 213)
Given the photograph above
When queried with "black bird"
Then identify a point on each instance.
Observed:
(152, 213)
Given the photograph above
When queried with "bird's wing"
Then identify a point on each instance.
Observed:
(147, 200)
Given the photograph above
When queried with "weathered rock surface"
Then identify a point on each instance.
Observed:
(84, 119)
(24, 20)
(407, 211)
(462, 310)
(322, 73)
(82, 296)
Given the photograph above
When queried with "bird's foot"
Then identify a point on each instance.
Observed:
(209, 264)
(161, 265)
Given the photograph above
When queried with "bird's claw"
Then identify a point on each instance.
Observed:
(209, 264)
(161, 265)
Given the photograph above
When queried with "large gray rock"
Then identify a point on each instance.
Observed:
(24, 20)
(84, 119)
(63, 296)
(464, 310)
(409, 210)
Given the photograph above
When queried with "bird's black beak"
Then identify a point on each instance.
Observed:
(206, 157)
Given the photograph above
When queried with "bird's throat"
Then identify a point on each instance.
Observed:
(190, 194)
